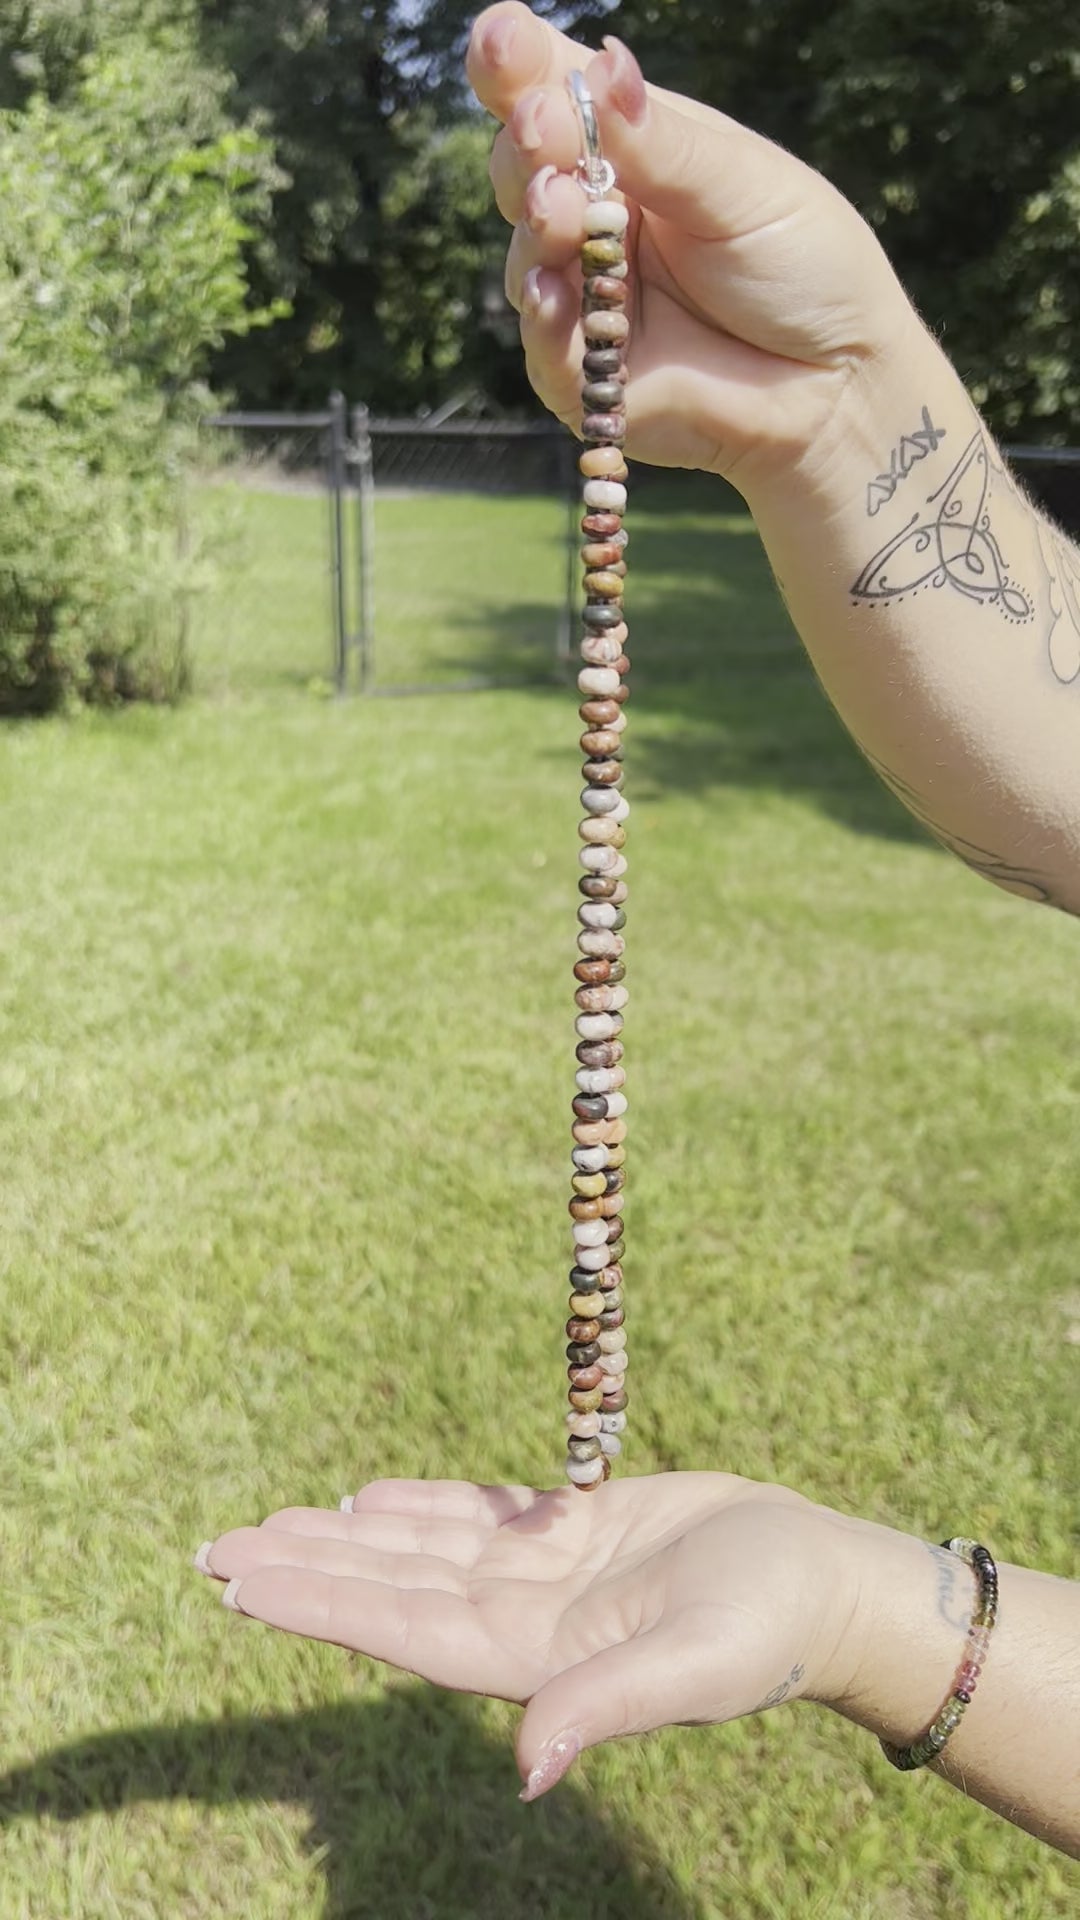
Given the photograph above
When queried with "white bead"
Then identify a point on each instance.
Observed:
(600, 859)
(600, 943)
(611, 1339)
(590, 1159)
(590, 1233)
(596, 1026)
(618, 1000)
(601, 799)
(606, 216)
(594, 1080)
(608, 494)
(611, 1444)
(617, 725)
(598, 681)
(613, 1423)
(616, 1102)
(617, 869)
(622, 807)
(613, 1363)
(603, 649)
(585, 1473)
(618, 272)
(585, 1425)
(597, 913)
(593, 1259)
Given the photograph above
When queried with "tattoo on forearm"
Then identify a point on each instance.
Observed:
(781, 1690)
(949, 1606)
(913, 448)
(951, 544)
(1062, 565)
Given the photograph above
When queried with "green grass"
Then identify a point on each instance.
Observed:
(284, 1100)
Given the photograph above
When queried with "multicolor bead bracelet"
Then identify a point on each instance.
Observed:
(597, 1339)
(930, 1744)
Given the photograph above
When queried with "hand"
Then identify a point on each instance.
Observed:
(686, 1598)
(759, 296)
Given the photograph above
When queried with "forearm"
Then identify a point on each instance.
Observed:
(942, 613)
(1017, 1748)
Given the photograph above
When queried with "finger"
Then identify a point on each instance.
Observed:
(552, 337)
(510, 50)
(395, 1533)
(551, 239)
(541, 132)
(630, 1688)
(486, 1507)
(439, 1636)
(245, 1550)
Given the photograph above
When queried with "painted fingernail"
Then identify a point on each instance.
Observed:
(201, 1561)
(537, 209)
(528, 126)
(532, 298)
(627, 82)
(497, 41)
(228, 1597)
(345, 1503)
(555, 1759)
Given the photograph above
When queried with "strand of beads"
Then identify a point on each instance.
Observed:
(597, 1350)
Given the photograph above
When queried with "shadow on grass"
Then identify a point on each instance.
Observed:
(721, 687)
(412, 1809)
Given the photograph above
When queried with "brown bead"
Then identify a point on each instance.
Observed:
(607, 1321)
(604, 584)
(622, 664)
(582, 1330)
(601, 463)
(590, 1106)
(616, 1248)
(601, 524)
(606, 329)
(583, 1447)
(608, 1279)
(603, 773)
(604, 251)
(599, 1053)
(594, 973)
(586, 1402)
(584, 1209)
(603, 290)
(603, 363)
(607, 427)
(611, 1205)
(616, 1179)
(594, 999)
(583, 1378)
(599, 712)
(600, 744)
(613, 1402)
(598, 886)
(600, 553)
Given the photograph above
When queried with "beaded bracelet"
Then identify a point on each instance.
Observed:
(930, 1744)
(597, 1342)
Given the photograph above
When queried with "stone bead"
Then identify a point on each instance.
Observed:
(622, 664)
(600, 1080)
(588, 1159)
(600, 396)
(588, 1185)
(598, 680)
(582, 1332)
(613, 1402)
(597, 1133)
(610, 1443)
(599, 860)
(602, 250)
(614, 1177)
(585, 1473)
(615, 1318)
(599, 1053)
(606, 329)
(602, 363)
(600, 913)
(611, 1205)
(590, 1233)
(612, 1364)
(585, 1209)
(604, 585)
(611, 1340)
(601, 649)
(616, 1154)
(592, 1258)
(610, 429)
(621, 810)
(608, 494)
(616, 1248)
(586, 1402)
(585, 1425)
(597, 886)
(584, 1449)
(611, 1218)
(603, 773)
(596, 831)
(585, 1379)
(600, 712)
(611, 1422)
(600, 553)
(586, 1306)
(600, 999)
(599, 615)
(600, 743)
(611, 1297)
(593, 973)
(616, 1102)
(590, 1106)
(600, 943)
(600, 463)
(601, 525)
(603, 290)
(606, 216)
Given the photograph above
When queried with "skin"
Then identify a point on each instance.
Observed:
(771, 343)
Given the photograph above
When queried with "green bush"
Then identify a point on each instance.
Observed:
(122, 223)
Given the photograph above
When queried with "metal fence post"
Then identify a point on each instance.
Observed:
(363, 461)
(337, 455)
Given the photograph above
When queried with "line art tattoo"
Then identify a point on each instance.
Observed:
(1026, 881)
(1062, 563)
(952, 546)
(781, 1690)
(913, 448)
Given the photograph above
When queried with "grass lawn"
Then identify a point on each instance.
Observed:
(284, 1099)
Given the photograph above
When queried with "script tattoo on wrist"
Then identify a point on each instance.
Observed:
(913, 447)
(949, 1607)
(1025, 881)
(781, 1690)
(950, 544)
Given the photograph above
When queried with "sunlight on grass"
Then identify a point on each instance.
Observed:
(284, 1108)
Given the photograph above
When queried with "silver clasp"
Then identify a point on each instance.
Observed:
(596, 174)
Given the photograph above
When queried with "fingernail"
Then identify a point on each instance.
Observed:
(537, 210)
(627, 82)
(555, 1759)
(229, 1599)
(529, 122)
(532, 298)
(345, 1504)
(201, 1561)
(497, 40)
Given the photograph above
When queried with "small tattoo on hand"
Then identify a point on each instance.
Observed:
(781, 1690)
(913, 447)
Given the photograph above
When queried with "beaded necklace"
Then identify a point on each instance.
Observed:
(597, 1337)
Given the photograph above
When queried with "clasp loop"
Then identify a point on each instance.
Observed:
(596, 174)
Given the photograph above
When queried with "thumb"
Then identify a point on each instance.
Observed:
(630, 1688)
(688, 164)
